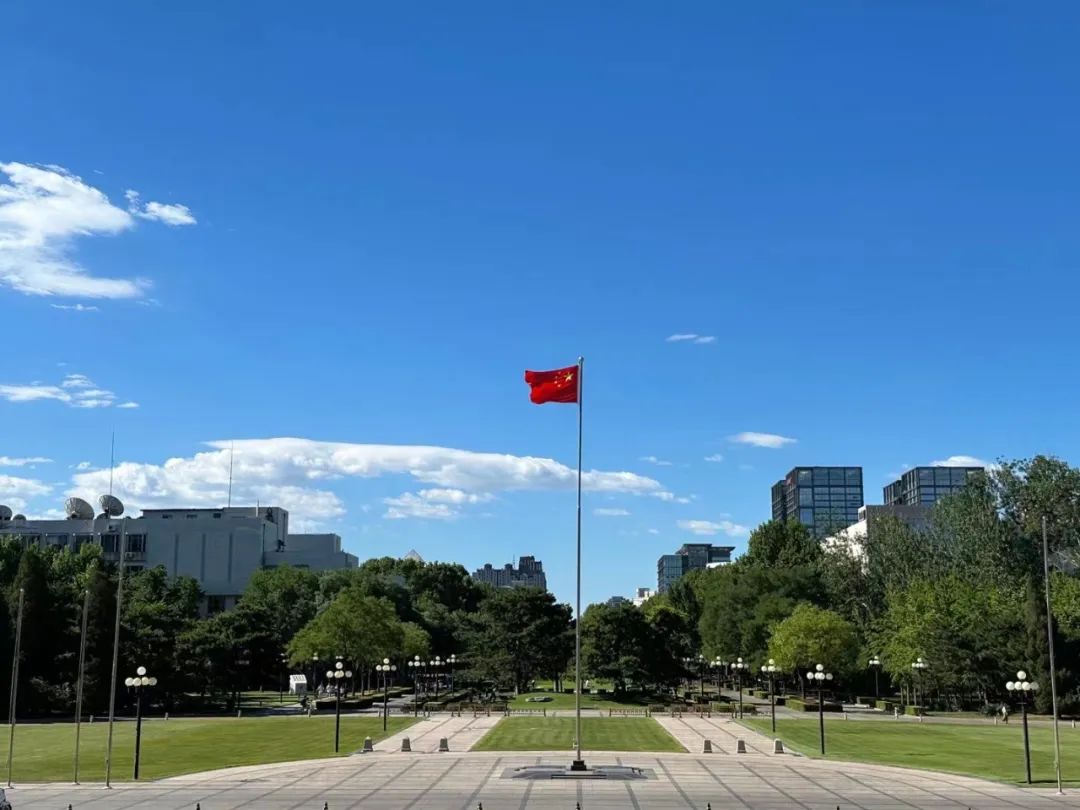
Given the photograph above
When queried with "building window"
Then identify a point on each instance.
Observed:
(136, 543)
(110, 543)
(217, 515)
(190, 516)
(166, 516)
(804, 477)
(806, 516)
(215, 604)
(133, 569)
(806, 496)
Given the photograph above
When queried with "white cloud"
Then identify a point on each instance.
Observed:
(773, 440)
(691, 338)
(8, 461)
(963, 461)
(710, 528)
(653, 531)
(202, 479)
(128, 405)
(715, 458)
(83, 465)
(610, 512)
(75, 307)
(75, 391)
(161, 212)
(15, 492)
(659, 462)
(43, 209)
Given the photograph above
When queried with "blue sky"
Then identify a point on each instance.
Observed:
(356, 227)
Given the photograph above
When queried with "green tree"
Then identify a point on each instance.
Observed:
(617, 643)
(813, 635)
(781, 544)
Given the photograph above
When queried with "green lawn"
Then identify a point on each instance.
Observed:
(598, 734)
(562, 701)
(987, 751)
(44, 752)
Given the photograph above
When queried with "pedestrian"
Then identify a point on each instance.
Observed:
(1004, 714)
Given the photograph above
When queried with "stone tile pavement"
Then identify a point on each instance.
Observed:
(462, 781)
(461, 733)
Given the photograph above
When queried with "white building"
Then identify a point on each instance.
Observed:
(853, 538)
(642, 596)
(220, 548)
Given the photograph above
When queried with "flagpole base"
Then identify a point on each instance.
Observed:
(578, 765)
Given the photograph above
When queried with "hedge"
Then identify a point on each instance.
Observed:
(798, 705)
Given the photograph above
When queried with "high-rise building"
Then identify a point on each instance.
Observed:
(925, 485)
(690, 557)
(528, 573)
(824, 499)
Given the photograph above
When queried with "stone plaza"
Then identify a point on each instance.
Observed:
(388, 779)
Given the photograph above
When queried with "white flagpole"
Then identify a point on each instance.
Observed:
(1050, 643)
(115, 652)
(15, 684)
(82, 675)
(579, 763)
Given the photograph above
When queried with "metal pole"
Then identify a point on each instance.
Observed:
(14, 685)
(337, 722)
(79, 684)
(416, 692)
(738, 675)
(115, 654)
(1050, 641)
(877, 691)
(579, 763)
(821, 715)
(1027, 749)
(385, 700)
(772, 702)
(138, 728)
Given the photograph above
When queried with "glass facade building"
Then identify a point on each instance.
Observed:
(691, 557)
(925, 485)
(824, 499)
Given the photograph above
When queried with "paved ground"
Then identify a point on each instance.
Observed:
(394, 781)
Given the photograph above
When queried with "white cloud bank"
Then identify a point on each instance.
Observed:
(963, 461)
(605, 511)
(8, 461)
(170, 214)
(15, 492)
(709, 528)
(285, 471)
(75, 391)
(771, 440)
(43, 210)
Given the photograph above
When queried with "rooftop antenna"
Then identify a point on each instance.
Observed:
(232, 452)
(112, 458)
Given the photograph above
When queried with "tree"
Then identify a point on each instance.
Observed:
(781, 544)
(616, 643)
(813, 635)
(517, 635)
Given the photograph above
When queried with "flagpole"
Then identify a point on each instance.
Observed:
(1050, 644)
(115, 653)
(79, 683)
(579, 763)
(15, 684)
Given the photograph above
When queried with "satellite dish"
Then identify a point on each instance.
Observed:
(5, 513)
(111, 506)
(19, 519)
(78, 509)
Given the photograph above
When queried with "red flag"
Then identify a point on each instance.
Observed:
(560, 385)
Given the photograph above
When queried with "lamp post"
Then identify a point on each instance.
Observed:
(716, 664)
(451, 661)
(740, 667)
(1022, 686)
(435, 666)
(414, 669)
(282, 659)
(769, 671)
(918, 667)
(875, 665)
(138, 683)
(314, 675)
(384, 669)
(820, 676)
(335, 676)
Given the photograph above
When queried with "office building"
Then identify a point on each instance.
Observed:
(854, 537)
(691, 557)
(220, 548)
(617, 601)
(642, 596)
(824, 499)
(528, 573)
(925, 485)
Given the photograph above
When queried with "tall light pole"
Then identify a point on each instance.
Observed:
(918, 667)
(335, 676)
(451, 661)
(1022, 686)
(414, 669)
(435, 666)
(769, 671)
(314, 676)
(283, 659)
(740, 667)
(139, 683)
(820, 676)
(716, 664)
(384, 669)
(875, 665)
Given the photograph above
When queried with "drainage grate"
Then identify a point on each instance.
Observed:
(622, 773)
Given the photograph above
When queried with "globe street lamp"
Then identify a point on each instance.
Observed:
(336, 675)
(716, 664)
(740, 667)
(314, 675)
(283, 659)
(875, 665)
(139, 683)
(384, 669)
(820, 676)
(414, 669)
(918, 667)
(1022, 686)
(769, 671)
(435, 666)
(451, 661)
